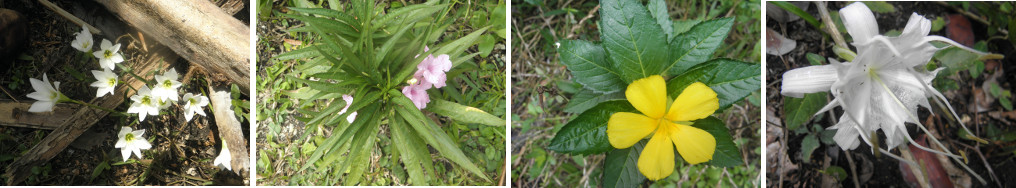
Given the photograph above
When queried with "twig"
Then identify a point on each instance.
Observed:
(853, 168)
(830, 25)
(69, 16)
(571, 34)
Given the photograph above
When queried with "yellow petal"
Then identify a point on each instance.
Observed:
(624, 129)
(694, 144)
(648, 95)
(657, 160)
(697, 101)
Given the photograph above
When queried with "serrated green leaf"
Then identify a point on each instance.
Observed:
(620, 167)
(587, 99)
(588, 63)
(634, 41)
(658, 9)
(462, 113)
(681, 26)
(727, 154)
(800, 110)
(587, 134)
(697, 44)
(732, 80)
(808, 145)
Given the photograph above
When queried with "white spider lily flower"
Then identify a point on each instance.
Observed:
(83, 41)
(144, 103)
(132, 141)
(882, 87)
(166, 85)
(193, 105)
(349, 102)
(109, 55)
(46, 95)
(224, 158)
(105, 81)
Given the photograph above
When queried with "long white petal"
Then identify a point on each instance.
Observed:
(809, 79)
(859, 21)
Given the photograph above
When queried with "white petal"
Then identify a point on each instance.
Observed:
(808, 79)
(42, 106)
(126, 153)
(859, 21)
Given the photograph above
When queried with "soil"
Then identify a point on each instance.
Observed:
(885, 171)
(182, 151)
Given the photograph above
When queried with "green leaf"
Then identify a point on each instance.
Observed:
(462, 113)
(837, 172)
(800, 110)
(681, 26)
(938, 24)
(697, 45)
(363, 146)
(432, 134)
(486, 45)
(587, 134)
(634, 41)
(658, 9)
(587, 62)
(808, 145)
(727, 154)
(620, 167)
(413, 149)
(797, 11)
(586, 99)
(815, 59)
(880, 6)
(732, 80)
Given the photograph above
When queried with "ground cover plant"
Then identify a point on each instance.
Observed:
(650, 84)
(382, 93)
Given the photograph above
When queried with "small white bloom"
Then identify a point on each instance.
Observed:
(46, 95)
(166, 85)
(83, 41)
(144, 103)
(105, 81)
(349, 102)
(194, 104)
(224, 158)
(109, 56)
(884, 85)
(132, 141)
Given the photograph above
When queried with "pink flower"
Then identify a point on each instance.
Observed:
(349, 102)
(418, 94)
(433, 70)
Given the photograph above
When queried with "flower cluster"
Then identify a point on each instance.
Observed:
(882, 87)
(429, 73)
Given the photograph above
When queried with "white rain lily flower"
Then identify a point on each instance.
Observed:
(166, 85)
(349, 102)
(144, 103)
(105, 81)
(83, 41)
(132, 141)
(882, 87)
(109, 56)
(46, 95)
(224, 158)
(194, 104)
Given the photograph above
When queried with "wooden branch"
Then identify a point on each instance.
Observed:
(229, 128)
(197, 30)
(70, 16)
(83, 119)
(16, 114)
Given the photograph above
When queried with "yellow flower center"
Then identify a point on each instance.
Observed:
(129, 137)
(108, 54)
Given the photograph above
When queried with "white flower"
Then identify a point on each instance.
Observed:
(144, 103)
(83, 41)
(165, 86)
(105, 81)
(224, 158)
(109, 56)
(194, 104)
(882, 87)
(46, 95)
(349, 102)
(132, 141)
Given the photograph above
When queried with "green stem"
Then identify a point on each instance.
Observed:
(131, 72)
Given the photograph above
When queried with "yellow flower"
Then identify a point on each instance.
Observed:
(673, 125)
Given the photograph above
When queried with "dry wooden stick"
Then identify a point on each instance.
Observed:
(69, 16)
(16, 114)
(229, 127)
